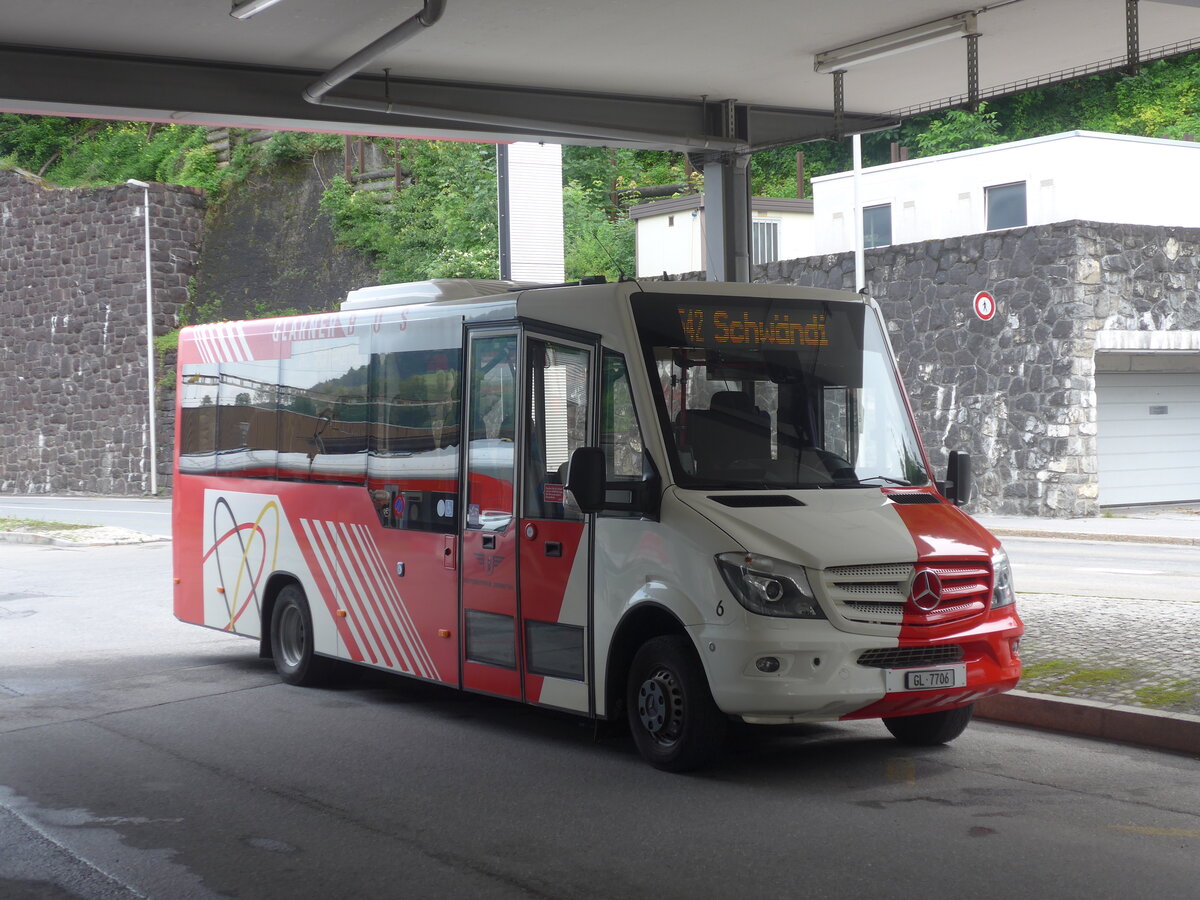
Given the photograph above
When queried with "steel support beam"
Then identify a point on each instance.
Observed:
(727, 217)
(727, 198)
(58, 82)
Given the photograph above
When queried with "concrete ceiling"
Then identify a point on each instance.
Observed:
(624, 72)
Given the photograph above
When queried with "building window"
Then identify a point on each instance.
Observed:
(877, 225)
(765, 236)
(1006, 206)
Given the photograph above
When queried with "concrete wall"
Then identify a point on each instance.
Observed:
(670, 233)
(73, 397)
(1078, 175)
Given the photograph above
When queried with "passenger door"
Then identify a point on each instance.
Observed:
(489, 548)
(555, 602)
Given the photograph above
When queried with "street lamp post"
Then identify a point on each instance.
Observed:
(133, 182)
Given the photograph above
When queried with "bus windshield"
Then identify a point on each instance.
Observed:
(770, 393)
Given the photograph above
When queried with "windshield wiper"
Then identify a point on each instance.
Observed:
(888, 478)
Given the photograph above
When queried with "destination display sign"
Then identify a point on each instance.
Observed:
(739, 326)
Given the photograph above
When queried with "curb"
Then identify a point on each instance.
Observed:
(1176, 732)
(1084, 536)
(26, 537)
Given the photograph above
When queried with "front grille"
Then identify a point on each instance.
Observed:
(878, 595)
(884, 571)
(910, 657)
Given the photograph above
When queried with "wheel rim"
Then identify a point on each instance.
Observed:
(660, 706)
(292, 638)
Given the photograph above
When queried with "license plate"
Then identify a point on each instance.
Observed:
(941, 678)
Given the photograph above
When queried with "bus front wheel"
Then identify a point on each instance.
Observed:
(930, 729)
(675, 723)
(292, 640)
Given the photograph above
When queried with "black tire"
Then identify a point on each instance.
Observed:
(292, 640)
(930, 729)
(675, 723)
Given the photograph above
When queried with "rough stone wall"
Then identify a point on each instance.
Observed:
(1019, 391)
(270, 248)
(73, 395)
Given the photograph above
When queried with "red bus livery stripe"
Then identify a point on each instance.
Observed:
(377, 618)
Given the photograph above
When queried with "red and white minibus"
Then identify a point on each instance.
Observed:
(678, 503)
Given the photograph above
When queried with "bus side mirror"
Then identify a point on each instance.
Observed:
(586, 476)
(958, 477)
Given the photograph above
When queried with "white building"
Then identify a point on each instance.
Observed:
(1076, 175)
(670, 233)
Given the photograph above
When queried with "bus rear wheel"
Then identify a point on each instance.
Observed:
(930, 729)
(292, 640)
(675, 723)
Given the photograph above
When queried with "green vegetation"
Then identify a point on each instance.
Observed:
(1174, 693)
(1100, 676)
(442, 222)
(1046, 668)
(36, 526)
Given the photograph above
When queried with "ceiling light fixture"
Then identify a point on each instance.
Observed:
(244, 9)
(842, 58)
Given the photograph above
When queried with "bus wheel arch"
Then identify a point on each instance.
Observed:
(643, 623)
(288, 635)
(673, 718)
(276, 583)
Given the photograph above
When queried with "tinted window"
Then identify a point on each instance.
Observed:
(1006, 206)
(415, 432)
(198, 418)
(247, 427)
(877, 226)
(323, 411)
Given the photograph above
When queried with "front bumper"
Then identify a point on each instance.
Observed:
(820, 679)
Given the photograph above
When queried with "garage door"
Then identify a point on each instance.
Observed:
(1149, 438)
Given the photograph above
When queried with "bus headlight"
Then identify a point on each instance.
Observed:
(1002, 590)
(769, 587)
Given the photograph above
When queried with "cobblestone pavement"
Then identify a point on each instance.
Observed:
(1143, 653)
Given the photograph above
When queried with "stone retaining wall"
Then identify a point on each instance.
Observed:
(73, 397)
(1019, 391)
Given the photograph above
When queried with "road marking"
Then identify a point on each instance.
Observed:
(1157, 832)
(90, 509)
(1128, 572)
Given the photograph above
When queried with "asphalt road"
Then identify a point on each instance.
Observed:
(142, 757)
(150, 516)
(1104, 569)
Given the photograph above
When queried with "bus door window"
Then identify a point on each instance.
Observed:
(488, 558)
(553, 539)
(557, 386)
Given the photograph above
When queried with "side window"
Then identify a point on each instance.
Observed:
(877, 226)
(323, 411)
(247, 418)
(1006, 206)
(198, 419)
(621, 437)
(491, 462)
(557, 384)
(620, 433)
(412, 467)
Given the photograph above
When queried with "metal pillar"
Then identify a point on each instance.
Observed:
(504, 212)
(1132, 39)
(727, 198)
(727, 217)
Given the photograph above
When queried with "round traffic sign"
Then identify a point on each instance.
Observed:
(985, 305)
